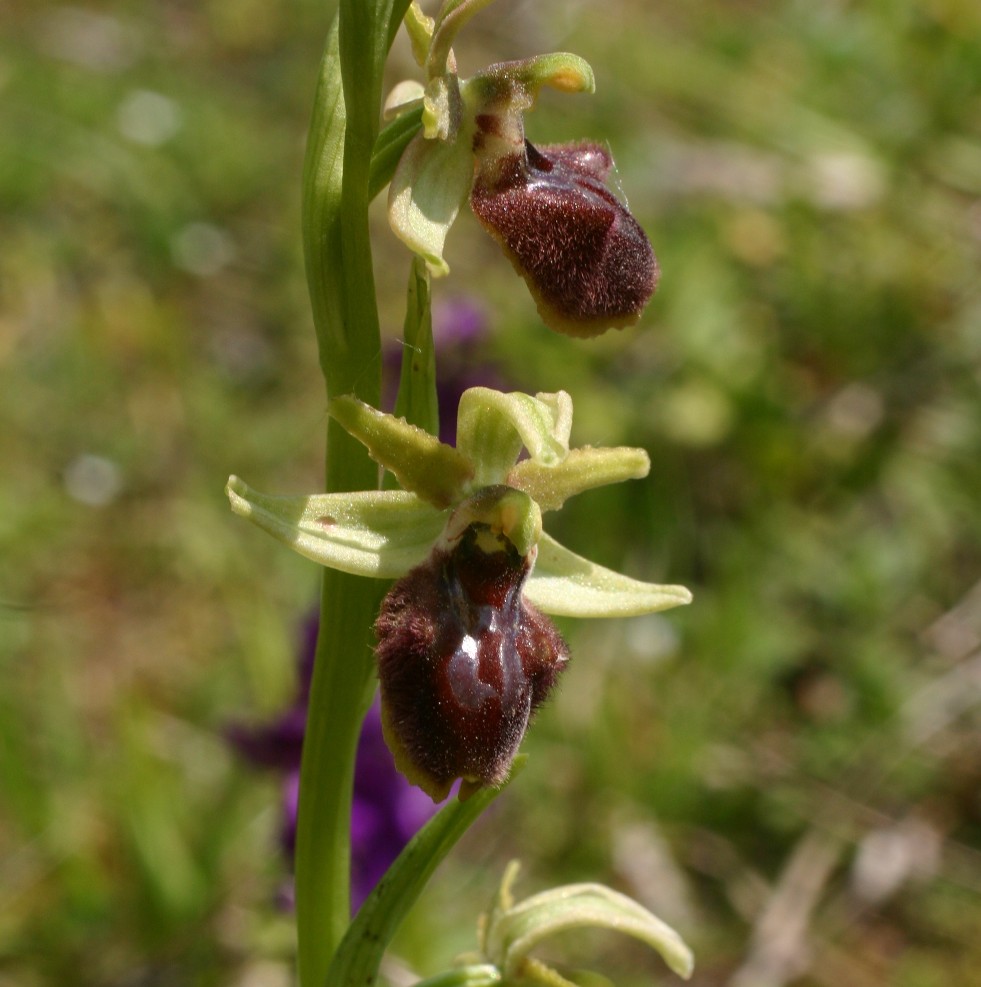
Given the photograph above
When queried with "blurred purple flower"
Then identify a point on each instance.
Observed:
(386, 811)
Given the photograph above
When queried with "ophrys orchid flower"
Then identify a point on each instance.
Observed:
(586, 260)
(465, 653)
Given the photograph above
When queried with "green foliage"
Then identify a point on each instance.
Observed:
(805, 382)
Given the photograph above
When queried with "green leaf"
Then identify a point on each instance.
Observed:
(379, 533)
(588, 906)
(567, 585)
(582, 469)
(421, 463)
(493, 427)
(357, 960)
(430, 184)
(513, 930)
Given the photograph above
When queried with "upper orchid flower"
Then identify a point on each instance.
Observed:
(465, 654)
(587, 262)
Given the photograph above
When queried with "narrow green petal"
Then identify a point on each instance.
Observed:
(582, 469)
(419, 27)
(423, 465)
(493, 427)
(372, 533)
(431, 182)
(568, 585)
(453, 14)
(442, 109)
(404, 96)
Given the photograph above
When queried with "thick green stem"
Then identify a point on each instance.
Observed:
(338, 259)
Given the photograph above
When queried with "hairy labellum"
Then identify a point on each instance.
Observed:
(463, 662)
(587, 262)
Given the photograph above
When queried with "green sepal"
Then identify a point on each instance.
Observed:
(534, 973)
(512, 930)
(561, 70)
(427, 467)
(493, 427)
(582, 469)
(359, 955)
(380, 533)
(430, 184)
(567, 585)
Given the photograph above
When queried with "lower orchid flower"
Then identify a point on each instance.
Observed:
(465, 652)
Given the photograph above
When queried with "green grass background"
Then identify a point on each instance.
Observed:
(789, 769)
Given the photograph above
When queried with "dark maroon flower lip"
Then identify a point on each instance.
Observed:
(585, 259)
(463, 662)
